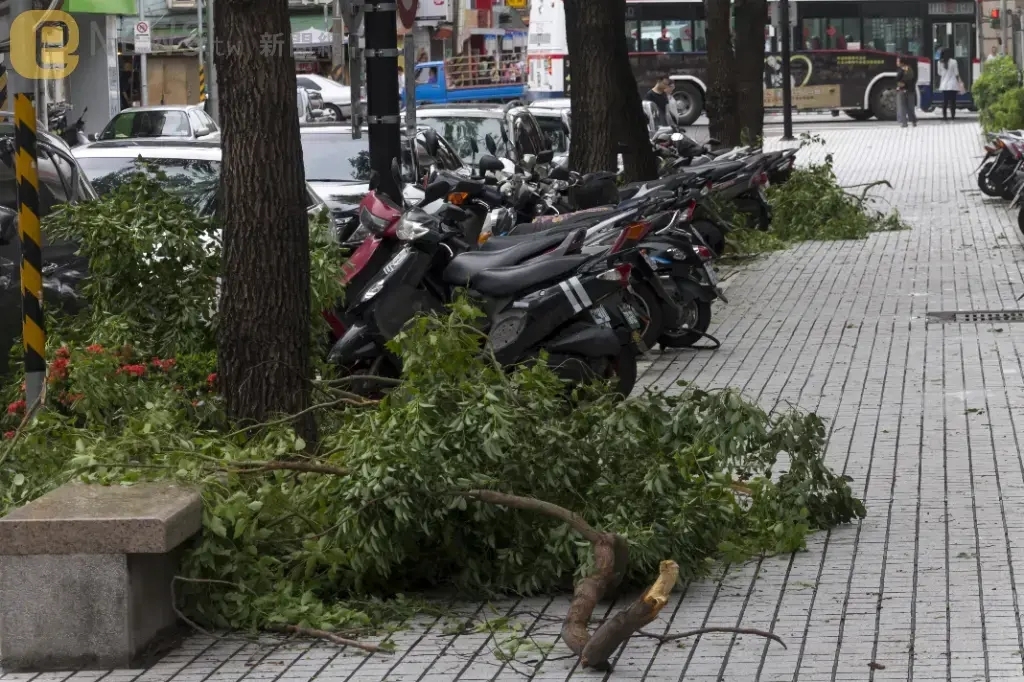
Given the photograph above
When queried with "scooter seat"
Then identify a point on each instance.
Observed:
(465, 266)
(564, 222)
(509, 281)
(718, 171)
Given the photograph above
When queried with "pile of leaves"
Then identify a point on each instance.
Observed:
(998, 95)
(812, 205)
(332, 536)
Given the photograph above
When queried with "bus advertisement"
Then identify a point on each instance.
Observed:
(844, 56)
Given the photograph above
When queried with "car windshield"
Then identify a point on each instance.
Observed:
(459, 130)
(147, 124)
(555, 133)
(335, 157)
(194, 180)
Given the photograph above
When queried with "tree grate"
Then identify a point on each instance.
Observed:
(976, 316)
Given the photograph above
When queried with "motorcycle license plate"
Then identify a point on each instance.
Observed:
(631, 317)
(712, 277)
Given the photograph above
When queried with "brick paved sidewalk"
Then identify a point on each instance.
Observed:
(924, 419)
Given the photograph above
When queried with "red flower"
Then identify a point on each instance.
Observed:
(59, 369)
(163, 365)
(211, 380)
(9, 435)
(94, 348)
(73, 398)
(63, 352)
(134, 370)
(16, 407)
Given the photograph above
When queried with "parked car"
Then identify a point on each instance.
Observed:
(192, 169)
(338, 168)
(337, 97)
(187, 122)
(554, 117)
(459, 80)
(513, 128)
(61, 180)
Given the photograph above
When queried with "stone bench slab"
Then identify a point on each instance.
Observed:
(145, 518)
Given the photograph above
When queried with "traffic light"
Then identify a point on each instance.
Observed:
(994, 20)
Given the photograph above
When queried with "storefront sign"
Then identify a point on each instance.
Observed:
(125, 7)
(950, 8)
(809, 97)
(433, 10)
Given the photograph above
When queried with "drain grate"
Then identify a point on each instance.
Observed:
(974, 316)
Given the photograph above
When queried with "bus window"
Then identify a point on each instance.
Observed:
(895, 34)
(831, 34)
(650, 34)
(673, 35)
(632, 36)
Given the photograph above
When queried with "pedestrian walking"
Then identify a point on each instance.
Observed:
(906, 95)
(949, 83)
(659, 95)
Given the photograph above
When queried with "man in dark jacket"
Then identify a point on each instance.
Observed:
(906, 95)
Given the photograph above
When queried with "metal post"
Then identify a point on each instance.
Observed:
(787, 80)
(199, 50)
(352, 12)
(213, 102)
(337, 38)
(382, 91)
(33, 330)
(1004, 24)
(143, 62)
(410, 82)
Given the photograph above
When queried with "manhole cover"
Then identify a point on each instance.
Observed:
(970, 316)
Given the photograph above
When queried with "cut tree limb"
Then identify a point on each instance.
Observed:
(664, 639)
(331, 637)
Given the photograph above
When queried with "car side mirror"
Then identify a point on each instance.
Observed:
(431, 143)
(91, 137)
(8, 225)
(490, 163)
(546, 156)
(492, 146)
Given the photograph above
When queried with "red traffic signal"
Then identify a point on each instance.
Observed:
(995, 14)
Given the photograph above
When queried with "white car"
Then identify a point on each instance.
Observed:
(337, 97)
(176, 122)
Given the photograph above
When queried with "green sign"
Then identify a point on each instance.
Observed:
(126, 7)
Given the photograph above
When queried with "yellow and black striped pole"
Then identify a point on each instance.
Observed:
(3, 88)
(202, 83)
(33, 328)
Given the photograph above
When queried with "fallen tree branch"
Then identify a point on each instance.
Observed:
(664, 639)
(301, 467)
(331, 637)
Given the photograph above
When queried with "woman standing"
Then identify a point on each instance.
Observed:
(949, 83)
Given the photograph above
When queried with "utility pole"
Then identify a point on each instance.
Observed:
(337, 38)
(383, 115)
(213, 103)
(787, 79)
(352, 12)
(143, 62)
(199, 51)
(33, 329)
(1004, 23)
(410, 82)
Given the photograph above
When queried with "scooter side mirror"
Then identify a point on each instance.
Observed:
(374, 180)
(8, 225)
(546, 156)
(435, 191)
(490, 163)
(492, 146)
(431, 143)
(714, 142)
(396, 173)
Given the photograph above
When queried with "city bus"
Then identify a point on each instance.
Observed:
(844, 53)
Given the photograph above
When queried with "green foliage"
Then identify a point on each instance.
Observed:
(695, 476)
(154, 269)
(812, 205)
(318, 550)
(997, 94)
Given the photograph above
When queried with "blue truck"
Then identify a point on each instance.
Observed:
(469, 79)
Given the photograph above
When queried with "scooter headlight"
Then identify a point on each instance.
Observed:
(410, 230)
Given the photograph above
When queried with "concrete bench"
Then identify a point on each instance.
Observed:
(85, 574)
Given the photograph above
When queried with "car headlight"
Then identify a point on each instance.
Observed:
(410, 230)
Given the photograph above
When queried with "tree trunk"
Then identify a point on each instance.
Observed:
(751, 17)
(596, 38)
(263, 344)
(722, 102)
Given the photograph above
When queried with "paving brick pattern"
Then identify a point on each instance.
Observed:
(924, 418)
